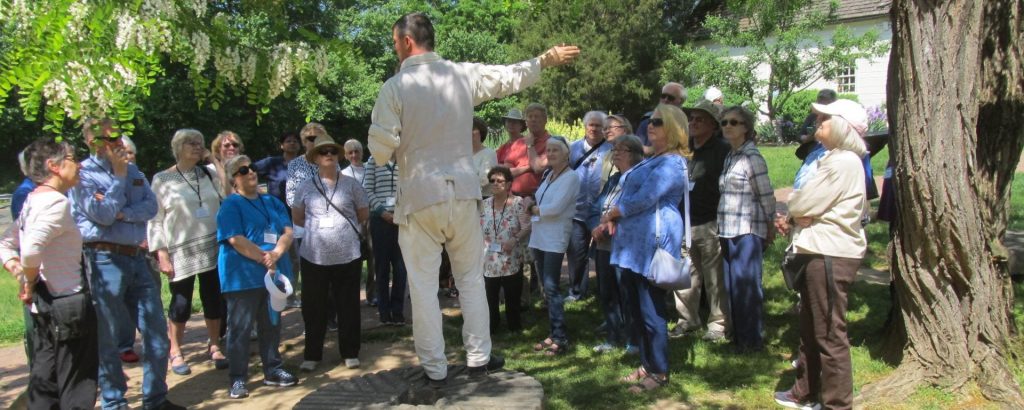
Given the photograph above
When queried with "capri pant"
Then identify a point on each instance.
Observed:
(180, 308)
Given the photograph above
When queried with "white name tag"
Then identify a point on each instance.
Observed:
(494, 248)
(269, 237)
(326, 223)
(202, 213)
(535, 218)
(389, 202)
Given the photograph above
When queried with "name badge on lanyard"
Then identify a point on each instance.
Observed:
(535, 218)
(389, 202)
(202, 212)
(494, 248)
(326, 223)
(269, 237)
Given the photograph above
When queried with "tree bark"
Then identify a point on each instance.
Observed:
(956, 105)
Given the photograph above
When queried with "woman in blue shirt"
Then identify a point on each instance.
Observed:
(253, 231)
(651, 191)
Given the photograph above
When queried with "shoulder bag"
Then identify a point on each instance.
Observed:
(666, 271)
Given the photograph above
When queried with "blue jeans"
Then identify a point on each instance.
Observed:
(742, 261)
(550, 266)
(390, 272)
(245, 309)
(116, 281)
(649, 320)
(613, 300)
(578, 258)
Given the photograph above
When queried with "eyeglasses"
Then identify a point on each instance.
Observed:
(611, 127)
(194, 143)
(621, 150)
(328, 151)
(244, 170)
(657, 122)
(231, 145)
(669, 97)
(732, 122)
(497, 181)
(353, 152)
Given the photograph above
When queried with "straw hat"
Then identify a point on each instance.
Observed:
(514, 114)
(320, 142)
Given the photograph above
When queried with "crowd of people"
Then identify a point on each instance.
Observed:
(85, 234)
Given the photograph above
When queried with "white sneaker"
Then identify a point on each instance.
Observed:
(352, 363)
(308, 365)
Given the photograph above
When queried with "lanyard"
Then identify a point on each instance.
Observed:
(196, 188)
(330, 199)
(495, 222)
(101, 167)
(550, 182)
(264, 212)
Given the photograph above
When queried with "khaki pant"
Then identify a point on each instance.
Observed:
(455, 224)
(707, 262)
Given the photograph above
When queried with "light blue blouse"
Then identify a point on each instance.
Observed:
(658, 184)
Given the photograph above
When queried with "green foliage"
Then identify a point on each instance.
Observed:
(779, 36)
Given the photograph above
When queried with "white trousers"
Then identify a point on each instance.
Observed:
(456, 225)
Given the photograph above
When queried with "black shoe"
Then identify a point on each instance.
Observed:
(435, 384)
(280, 378)
(386, 319)
(496, 363)
(238, 390)
(398, 319)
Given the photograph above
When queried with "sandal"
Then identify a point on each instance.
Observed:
(221, 362)
(180, 369)
(637, 375)
(649, 383)
(555, 350)
(543, 345)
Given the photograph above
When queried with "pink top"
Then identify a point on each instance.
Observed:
(46, 237)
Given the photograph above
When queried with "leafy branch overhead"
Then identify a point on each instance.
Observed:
(76, 59)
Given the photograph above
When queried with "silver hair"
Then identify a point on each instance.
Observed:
(622, 121)
(181, 137)
(536, 107)
(353, 144)
(633, 144)
(129, 144)
(594, 115)
(23, 162)
(233, 164)
(846, 137)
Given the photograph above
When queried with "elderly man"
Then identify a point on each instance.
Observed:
(111, 206)
(671, 93)
(589, 157)
(423, 116)
(709, 152)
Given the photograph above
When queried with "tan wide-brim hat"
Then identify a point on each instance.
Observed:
(320, 142)
(714, 110)
(514, 114)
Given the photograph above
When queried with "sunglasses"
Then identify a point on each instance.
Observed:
(244, 170)
(614, 127)
(669, 97)
(310, 138)
(231, 144)
(657, 122)
(498, 181)
(732, 122)
(328, 151)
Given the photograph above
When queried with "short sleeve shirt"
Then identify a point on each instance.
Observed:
(254, 219)
(331, 237)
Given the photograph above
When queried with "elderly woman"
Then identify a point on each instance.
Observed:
(184, 236)
(254, 232)
(616, 126)
(627, 151)
(484, 158)
(644, 218)
(357, 170)
(745, 210)
(43, 250)
(227, 145)
(829, 238)
(505, 224)
(552, 224)
(331, 207)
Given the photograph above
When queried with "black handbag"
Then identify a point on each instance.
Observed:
(794, 266)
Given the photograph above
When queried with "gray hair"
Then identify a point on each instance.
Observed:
(622, 120)
(353, 144)
(40, 153)
(632, 143)
(846, 137)
(23, 162)
(536, 107)
(181, 137)
(594, 115)
(129, 144)
(682, 90)
(748, 118)
(233, 164)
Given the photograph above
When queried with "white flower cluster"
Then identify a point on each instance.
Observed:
(75, 27)
(56, 93)
(227, 63)
(282, 69)
(249, 69)
(91, 95)
(319, 64)
(159, 9)
(127, 31)
(197, 6)
(127, 75)
(19, 12)
(201, 46)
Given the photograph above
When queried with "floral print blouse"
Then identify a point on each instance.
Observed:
(500, 225)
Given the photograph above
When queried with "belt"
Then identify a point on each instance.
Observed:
(126, 250)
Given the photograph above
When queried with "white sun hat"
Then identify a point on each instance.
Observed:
(278, 296)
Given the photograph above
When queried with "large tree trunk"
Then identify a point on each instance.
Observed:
(956, 104)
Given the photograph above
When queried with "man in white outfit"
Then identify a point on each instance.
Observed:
(424, 115)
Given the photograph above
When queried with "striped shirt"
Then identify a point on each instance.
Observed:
(381, 185)
(46, 237)
(747, 204)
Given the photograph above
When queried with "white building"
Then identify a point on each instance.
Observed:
(867, 77)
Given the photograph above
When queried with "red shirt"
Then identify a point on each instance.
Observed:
(517, 157)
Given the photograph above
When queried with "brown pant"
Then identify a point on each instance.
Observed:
(825, 356)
